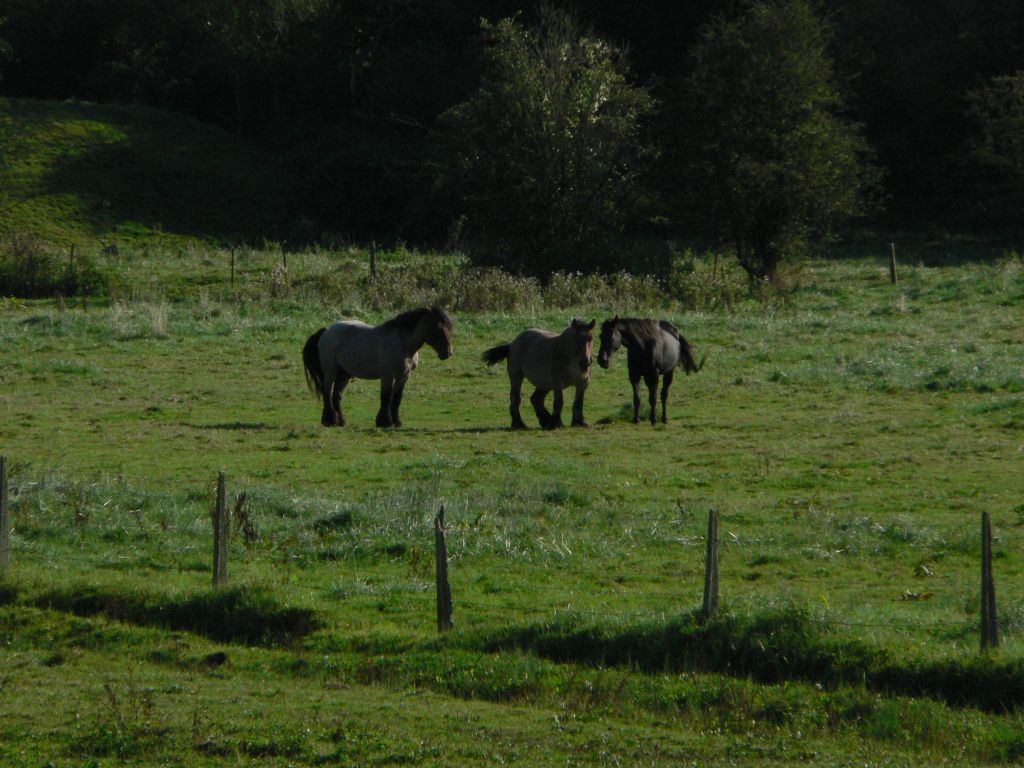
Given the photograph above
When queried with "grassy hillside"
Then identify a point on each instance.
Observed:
(88, 174)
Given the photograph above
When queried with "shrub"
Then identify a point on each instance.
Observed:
(28, 270)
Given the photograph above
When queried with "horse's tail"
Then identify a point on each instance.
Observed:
(496, 354)
(311, 362)
(686, 357)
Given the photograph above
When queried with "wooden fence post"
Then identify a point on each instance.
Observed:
(373, 258)
(711, 568)
(989, 623)
(444, 590)
(5, 519)
(892, 264)
(221, 529)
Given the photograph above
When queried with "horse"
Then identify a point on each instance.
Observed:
(653, 348)
(552, 362)
(350, 349)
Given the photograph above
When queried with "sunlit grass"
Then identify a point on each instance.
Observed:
(849, 434)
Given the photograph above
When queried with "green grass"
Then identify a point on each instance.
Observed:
(92, 175)
(849, 432)
(850, 436)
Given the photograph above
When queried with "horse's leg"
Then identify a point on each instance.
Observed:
(339, 389)
(515, 398)
(537, 401)
(651, 380)
(665, 383)
(577, 405)
(634, 381)
(386, 393)
(556, 409)
(396, 400)
(329, 417)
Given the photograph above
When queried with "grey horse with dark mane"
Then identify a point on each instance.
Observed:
(551, 362)
(653, 348)
(351, 349)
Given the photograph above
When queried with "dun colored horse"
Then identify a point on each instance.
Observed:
(390, 352)
(552, 362)
(653, 348)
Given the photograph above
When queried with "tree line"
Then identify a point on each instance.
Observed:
(576, 135)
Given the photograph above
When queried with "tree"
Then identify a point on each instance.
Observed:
(772, 162)
(997, 147)
(550, 151)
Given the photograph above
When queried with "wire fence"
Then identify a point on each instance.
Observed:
(87, 544)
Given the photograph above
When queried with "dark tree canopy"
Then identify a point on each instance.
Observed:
(350, 95)
(549, 151)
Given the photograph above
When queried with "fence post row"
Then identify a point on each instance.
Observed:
(5, 519)
(711, 568)
(989, 623)
(444, 590)
(221, 529)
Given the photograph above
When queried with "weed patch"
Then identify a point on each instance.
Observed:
(29, 270)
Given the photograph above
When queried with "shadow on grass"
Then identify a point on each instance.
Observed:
(771, 648)
(254, 426)
(236, 615)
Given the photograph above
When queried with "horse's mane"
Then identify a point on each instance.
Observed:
(641, 329)
(408, 320)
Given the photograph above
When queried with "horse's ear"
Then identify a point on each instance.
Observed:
(592, 324)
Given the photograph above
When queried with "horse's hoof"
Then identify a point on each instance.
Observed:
(582, 424)
(519, 427)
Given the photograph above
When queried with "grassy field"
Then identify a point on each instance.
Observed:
(95, 175)
(849, 435)
(850, 432)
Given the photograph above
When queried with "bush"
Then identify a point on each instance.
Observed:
(490, 289)
(28, 270)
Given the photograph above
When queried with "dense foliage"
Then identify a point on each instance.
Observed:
(998, 146)
(772, 162)
(550, 149)
(351, 98)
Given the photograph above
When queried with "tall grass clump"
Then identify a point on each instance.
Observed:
(771, 647)
(238, 615)
(29, 270)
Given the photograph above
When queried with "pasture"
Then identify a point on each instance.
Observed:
(850, 435)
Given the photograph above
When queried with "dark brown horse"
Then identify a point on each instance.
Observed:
(653, 348)
(552, 362)
(390, 352)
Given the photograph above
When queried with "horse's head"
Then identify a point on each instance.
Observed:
(583, 335)
(611, 340)
(439, 332)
